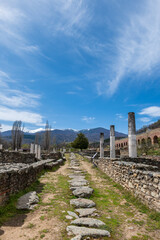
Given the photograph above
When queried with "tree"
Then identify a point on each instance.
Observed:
(17, 134)
(80, 142)
(37, 138)
(47, 136)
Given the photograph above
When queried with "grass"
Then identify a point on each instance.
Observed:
(30, 225)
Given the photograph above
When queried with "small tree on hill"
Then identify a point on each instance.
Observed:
(81, 142)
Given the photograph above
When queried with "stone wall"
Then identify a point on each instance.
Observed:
(140, 176)
(17, 176)
(153, 135)
(106, 153)
(51, 156)
(16, 157)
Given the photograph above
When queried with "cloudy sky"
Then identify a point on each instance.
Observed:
(79, 63)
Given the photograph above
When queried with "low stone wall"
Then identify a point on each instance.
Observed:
(16, 177)
(16, 157)
(51, 156)
(142, 179)
(90, 153)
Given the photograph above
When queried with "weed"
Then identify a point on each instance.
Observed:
(30, 225)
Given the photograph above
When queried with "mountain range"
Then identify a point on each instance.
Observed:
(66, 135)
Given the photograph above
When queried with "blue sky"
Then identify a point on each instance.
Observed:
(79, 63)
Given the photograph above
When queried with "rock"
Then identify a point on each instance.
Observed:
(84, 212)
(28, 201)
(88, 222)
(83, 192)
(79, 184)
(82, 203)
(78, 237)
(83, 231)
(130, 228)
(72, 214)
(69, 217)
(76, 181)
(76, 175)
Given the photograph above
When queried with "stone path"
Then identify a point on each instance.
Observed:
(84, 224)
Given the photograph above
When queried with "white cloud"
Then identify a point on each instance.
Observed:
(18, 18)
(137, 48)
(88, 119)
(119, 115)
(153, 111)
(5, 127)
(145, 119)
(8, 114)
(15, 98)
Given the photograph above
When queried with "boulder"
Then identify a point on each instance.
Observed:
(28, 201)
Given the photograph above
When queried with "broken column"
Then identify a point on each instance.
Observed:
(132, 145)
(39, 152)
(101, 145)
(1, 146)
(36, 150)
(112, 142)
(32, 148)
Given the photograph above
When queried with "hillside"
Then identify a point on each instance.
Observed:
(67, 135)
(151, 126)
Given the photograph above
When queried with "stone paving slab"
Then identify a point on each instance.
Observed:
(72, 214)
(82, 192)
(88, 222)
(84, 212)
(82, 203)
(83, 231)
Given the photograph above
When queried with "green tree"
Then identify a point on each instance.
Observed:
(81, 142)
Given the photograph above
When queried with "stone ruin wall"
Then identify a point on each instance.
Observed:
(140, 176)
(90, 153)
(16, 157)
(16, 176)
(51, 155)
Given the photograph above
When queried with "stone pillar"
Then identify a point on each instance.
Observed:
(36, 150)
(112, 142)
(101, 145)
(39, 152)
(132, 146)
(1, 146)
(54, 150)
(32, 148)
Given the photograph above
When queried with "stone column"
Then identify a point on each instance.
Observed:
(1, 146)
(36, 150)
(101, 145)
(32, 148)
(132, 145)
(39, 152)
(112, 142)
